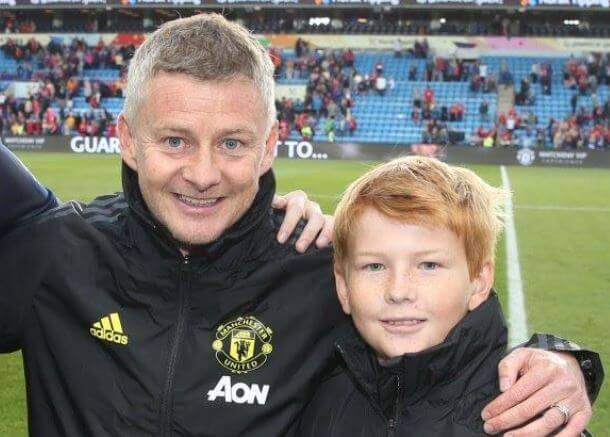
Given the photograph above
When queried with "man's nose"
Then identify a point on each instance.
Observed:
(201, 169)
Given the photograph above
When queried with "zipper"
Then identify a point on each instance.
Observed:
(167, 399)
(392, 422)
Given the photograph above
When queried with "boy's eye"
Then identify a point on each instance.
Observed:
(429, 265)
(231, 144)
(174, 142)
(374, 267)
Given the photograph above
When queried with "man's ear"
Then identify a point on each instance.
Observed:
(342, 291)
(481, 286)
(128, 146)
(270, 145)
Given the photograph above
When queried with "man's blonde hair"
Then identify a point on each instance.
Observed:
(207, 47)
(426, 192)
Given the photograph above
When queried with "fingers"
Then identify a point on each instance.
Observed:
(549, 378)
(326, 235)
(315, 222)
(512, 366)
(279, 202)
(295, 208)
(550, 423)
(543, 424)
(577, 424)
(298, 207)
(508, 371)
(523, 401)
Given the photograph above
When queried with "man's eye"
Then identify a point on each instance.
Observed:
(231, 144)
(429, 265)
(174, 142)
(374, 267)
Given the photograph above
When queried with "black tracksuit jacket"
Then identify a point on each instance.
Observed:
(123, 336)
(437, 392)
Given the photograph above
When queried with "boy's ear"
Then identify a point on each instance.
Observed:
(342, 291)
(481, 286)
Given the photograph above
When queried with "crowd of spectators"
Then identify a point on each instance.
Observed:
(332, 84)
(583, 129)
(585, 75)
(57, 70)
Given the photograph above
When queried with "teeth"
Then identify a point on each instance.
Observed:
(403, 322)
(197, 202)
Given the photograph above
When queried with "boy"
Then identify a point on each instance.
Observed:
(414, 265)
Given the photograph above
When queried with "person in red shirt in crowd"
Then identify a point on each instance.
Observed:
(481, 133)
(456, 112)
(83, 127)
(349, 57)
(459, 107)
(49, 123)
(439, 69)
(100, 44)
(33, 126)
(502, 119)
(111, 130)
(352, 124)
(300, 121)
(276, 58)
(428, 97)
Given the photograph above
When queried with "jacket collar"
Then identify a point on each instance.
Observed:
(436, 372)
(248, 230)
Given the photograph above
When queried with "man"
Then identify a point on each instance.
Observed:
(172, 309)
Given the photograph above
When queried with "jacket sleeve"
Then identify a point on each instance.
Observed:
(21, 271)
(590, 363)
(21, 195)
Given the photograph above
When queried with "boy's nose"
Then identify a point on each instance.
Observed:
(402, 288)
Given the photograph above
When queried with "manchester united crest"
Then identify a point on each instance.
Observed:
(242, 345)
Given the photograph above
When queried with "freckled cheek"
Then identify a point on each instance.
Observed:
(366, 302)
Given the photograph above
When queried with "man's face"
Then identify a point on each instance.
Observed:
(406, 286)
(199, 149)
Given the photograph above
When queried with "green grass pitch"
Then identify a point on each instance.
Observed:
(562, 219)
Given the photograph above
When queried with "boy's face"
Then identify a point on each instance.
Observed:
(406, 286)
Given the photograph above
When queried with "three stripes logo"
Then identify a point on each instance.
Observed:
(109, 328)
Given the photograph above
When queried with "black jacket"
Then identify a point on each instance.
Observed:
(119, 331)
(21, 195)
(123, 336)
(437, 392)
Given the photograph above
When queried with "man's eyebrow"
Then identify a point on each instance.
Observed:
(174, 129)
(237, 131)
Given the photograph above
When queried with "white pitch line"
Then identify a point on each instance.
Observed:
(517, 320)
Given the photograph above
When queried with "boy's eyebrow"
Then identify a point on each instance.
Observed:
(381, 252)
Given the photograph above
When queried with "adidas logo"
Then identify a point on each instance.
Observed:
(109, 328)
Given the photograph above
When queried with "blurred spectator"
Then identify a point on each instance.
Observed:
(381, 84)
(484, 110)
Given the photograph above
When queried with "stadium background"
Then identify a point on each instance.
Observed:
(60, 95)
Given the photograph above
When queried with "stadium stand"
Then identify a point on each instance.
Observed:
(379, 97)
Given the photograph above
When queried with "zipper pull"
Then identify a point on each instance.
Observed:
(185, 259)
